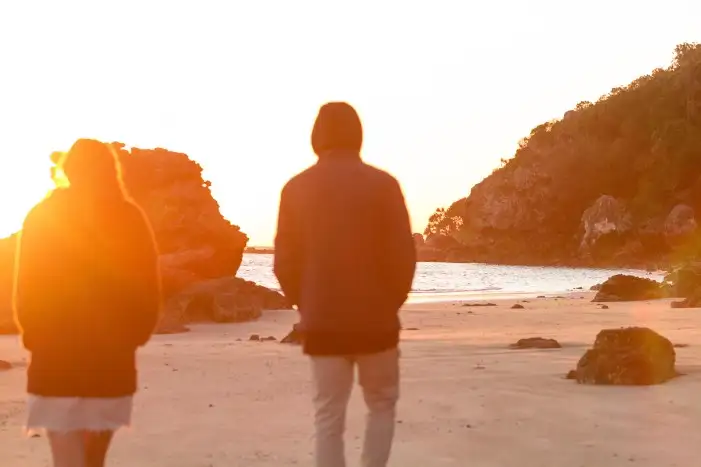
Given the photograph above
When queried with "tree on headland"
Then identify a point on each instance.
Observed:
(446, 221)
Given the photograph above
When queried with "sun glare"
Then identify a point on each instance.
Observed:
(21, 187)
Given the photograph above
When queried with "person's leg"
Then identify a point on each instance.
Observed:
(379, 377)
(333, 382)
(67, 449)
(97, 443)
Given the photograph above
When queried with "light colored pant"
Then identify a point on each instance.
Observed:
(378, 376)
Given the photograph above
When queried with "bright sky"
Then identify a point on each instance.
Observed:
(445, 88)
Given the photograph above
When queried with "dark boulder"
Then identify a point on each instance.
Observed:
(536, 343)
(223, 300)
(627, 356)
(295, 336)
(623, 288)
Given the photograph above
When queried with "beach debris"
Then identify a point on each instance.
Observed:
(536, 343)
(625, 288)
(627, 356)
(479, 304)
(517, 306)
(541, 296)
(294, 337)
(4, 366)
(254, 337)
(680, 346)
(411, 329)
(603, 306)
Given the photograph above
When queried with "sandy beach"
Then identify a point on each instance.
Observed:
(208, 399)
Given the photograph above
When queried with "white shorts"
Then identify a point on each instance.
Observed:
(66, 414)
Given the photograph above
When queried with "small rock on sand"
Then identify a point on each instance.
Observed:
(517, 307)
(254, 337)
(479, 304)
(269, 338)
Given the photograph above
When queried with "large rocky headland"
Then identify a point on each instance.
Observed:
(616, 182)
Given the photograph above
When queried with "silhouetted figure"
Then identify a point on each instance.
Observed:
(87, 295)
(345, 255)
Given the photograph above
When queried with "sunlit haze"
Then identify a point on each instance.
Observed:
(445, 89)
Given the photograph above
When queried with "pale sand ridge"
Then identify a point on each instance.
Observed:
(467, 400)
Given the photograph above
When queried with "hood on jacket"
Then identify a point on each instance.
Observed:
(337, 127)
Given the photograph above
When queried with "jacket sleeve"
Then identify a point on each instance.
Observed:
(31, 279)
(399, 250)
(288, 248)
(146, 281)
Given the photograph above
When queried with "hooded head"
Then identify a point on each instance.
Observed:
(92, 167)
(337, 127)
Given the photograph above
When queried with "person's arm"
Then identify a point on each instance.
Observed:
(32, 281)
(399, 250)
(288, 246)
(144, 282)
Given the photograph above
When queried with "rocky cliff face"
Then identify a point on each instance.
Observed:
(201, 251)
(616, 182)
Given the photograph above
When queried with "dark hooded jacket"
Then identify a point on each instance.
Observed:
(344, 252)
(87, 294)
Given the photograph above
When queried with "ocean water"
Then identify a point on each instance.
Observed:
(435, 281)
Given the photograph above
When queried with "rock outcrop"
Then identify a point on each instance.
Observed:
(623, 288)
(606, 217)
(184, 214)
(628, 356)
(680, 224)
(201, 250)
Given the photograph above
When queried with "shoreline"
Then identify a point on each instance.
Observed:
(498, 296)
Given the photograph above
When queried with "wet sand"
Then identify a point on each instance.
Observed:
(208, 400)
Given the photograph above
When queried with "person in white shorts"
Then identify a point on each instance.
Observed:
(86, 296)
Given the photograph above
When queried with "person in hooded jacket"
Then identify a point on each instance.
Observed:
(345, 256)
(86, 297)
